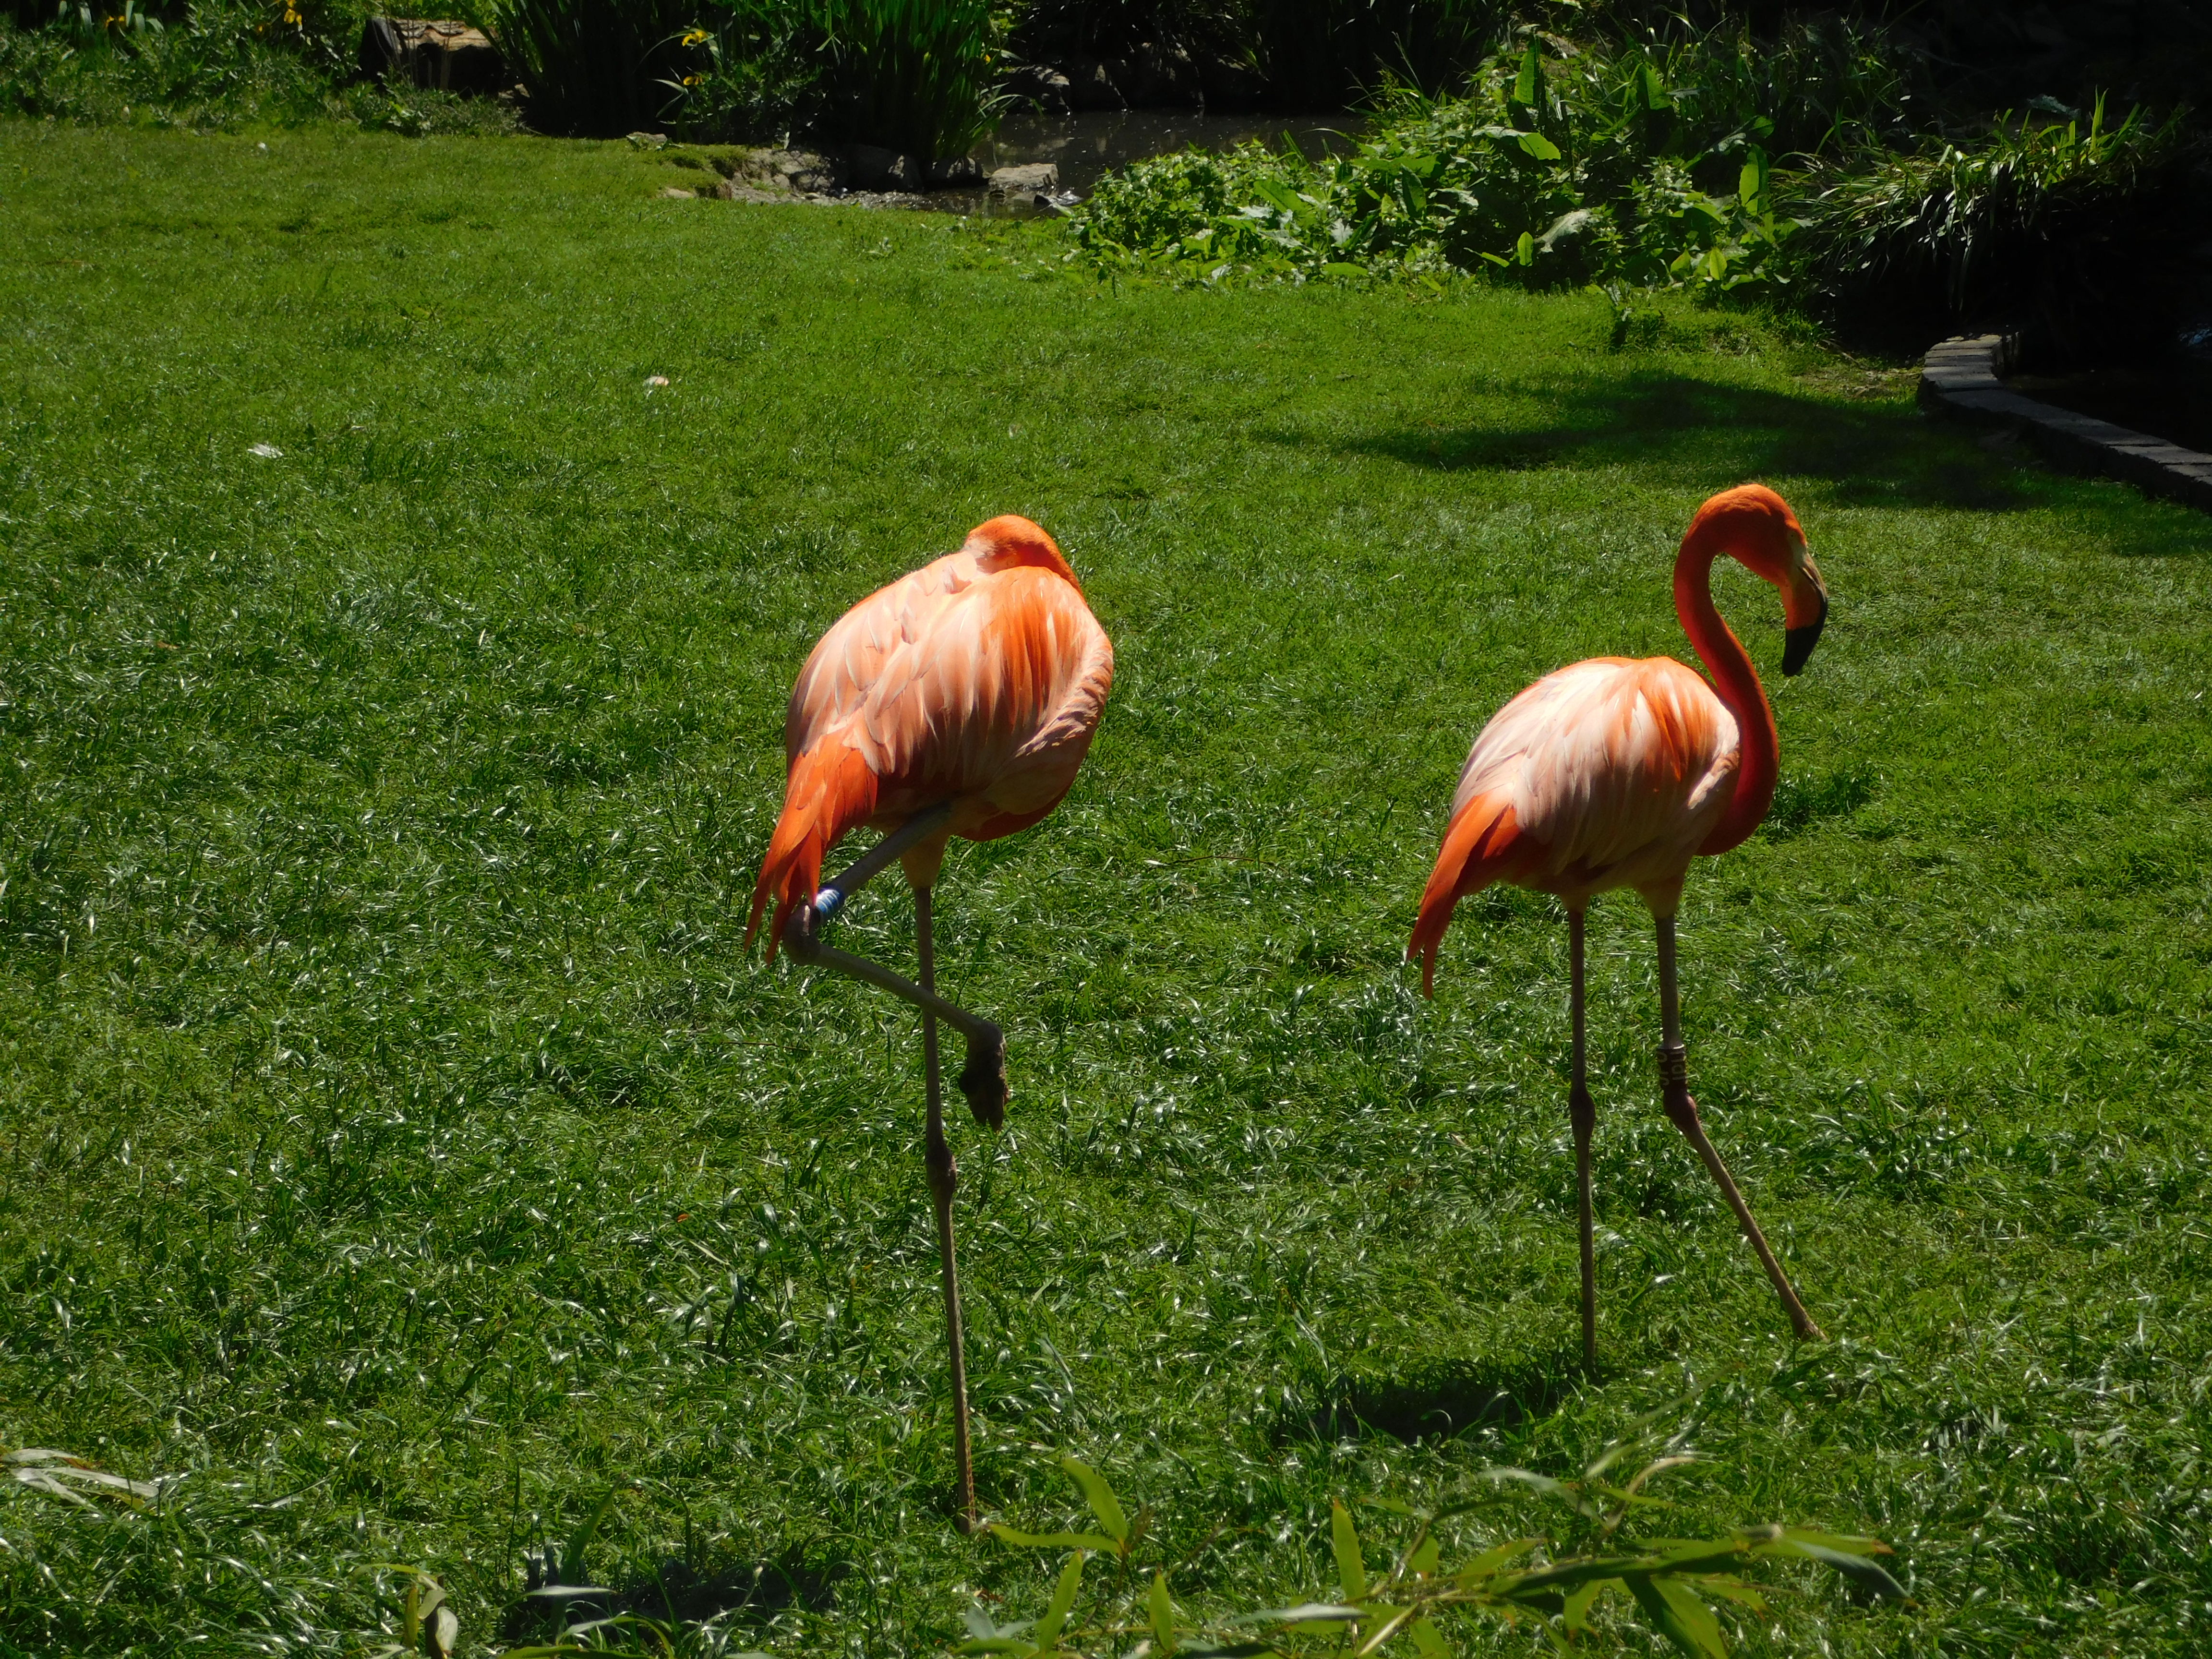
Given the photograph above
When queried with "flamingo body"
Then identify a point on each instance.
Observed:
(1616, 773)
(977, 679)
(1609, 773)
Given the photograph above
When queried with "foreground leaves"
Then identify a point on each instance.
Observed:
(1670, 1584)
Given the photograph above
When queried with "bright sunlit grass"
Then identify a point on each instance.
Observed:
(396, 1145)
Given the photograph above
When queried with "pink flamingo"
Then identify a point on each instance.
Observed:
(1615, 773)
(959, 701)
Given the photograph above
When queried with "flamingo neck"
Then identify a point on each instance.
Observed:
(1736, 682)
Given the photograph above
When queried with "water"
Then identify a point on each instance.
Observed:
(1087, 147)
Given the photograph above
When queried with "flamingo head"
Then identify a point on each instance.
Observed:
(1755, 526)
(1010, 540)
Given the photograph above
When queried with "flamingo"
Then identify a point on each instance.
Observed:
(959, 701)
(1615, 773)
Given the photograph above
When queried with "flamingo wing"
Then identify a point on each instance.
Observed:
(1606, 774)
(959, 682)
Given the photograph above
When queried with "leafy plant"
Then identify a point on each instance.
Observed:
(1656, 164)
(2033, 222)
(598, 67)
(1670, 1584)
(916, 75)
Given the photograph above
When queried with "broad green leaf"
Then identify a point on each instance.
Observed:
(1343, 1538)
(1575, 1614)
(1486, 1564)
(1100, 1497)
(1540, 146)
(1678, 1615)
(1047, 1632)
(1306, 1613)
(1426, 1553)
(1383, 1623)
(1428, 1641)
(1654, 90)
(1870, 1576)
(1163, 1614)
(1051, 1541)
(1339, 267)
(1751, 183)
(1733, 1589)
(1528, 85)
(1524, 251)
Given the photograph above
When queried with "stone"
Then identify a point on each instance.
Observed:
(1962, 377)
(1089, 87)
(438, 52)
(956, 172)
(1038, 176)
(677, 193)
(871, 167)
(1041, 85)
(648, 140)
(748, 174)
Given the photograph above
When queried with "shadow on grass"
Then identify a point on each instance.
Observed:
(1435, 1398)
(677, 1592)
(1876, 456)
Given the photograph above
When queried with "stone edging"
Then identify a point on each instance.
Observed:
(1961, 377)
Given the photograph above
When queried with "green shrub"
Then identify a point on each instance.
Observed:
(2037, 224)
(1413, 1599)
(222, 65)
(1544, 170)
(915, 75)
(598, 68)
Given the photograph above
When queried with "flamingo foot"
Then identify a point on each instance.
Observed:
(983, 1079)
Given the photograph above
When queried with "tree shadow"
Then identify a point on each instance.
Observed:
(1435, 1398)
(1878, 455)
(677, 1591)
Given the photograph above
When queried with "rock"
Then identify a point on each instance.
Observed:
(677, 193)
(1041, 85)
(432, 53)
(648, 141)
(1029, 180)
(752, 173)
(1089, 87)
(869, 166)
(958, 172)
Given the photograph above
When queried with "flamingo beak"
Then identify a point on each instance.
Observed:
(1805, 613)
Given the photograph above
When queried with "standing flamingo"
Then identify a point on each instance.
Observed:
(959, 701)
(1615, 773)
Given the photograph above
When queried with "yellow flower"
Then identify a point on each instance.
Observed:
(697, 37)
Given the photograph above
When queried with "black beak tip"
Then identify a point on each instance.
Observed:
(1797, 643)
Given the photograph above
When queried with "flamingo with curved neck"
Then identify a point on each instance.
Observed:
(1616, 773)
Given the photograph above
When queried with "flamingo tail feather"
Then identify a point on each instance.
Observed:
(832, 789)
(1483, 844)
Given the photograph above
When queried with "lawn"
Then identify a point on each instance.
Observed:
(400, 1147)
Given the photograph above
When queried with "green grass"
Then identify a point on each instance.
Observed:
(399, 1146)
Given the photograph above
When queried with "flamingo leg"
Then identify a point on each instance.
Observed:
(983, 1079)
(944, 1182)
(1583, 1115)
(1674, 1083)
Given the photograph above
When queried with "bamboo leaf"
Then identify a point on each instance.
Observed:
(1163, 1614)
(1344, 1538)
(1428, 1641)
(1047, 1632)
(1868, 1574)
(1051, 1541)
